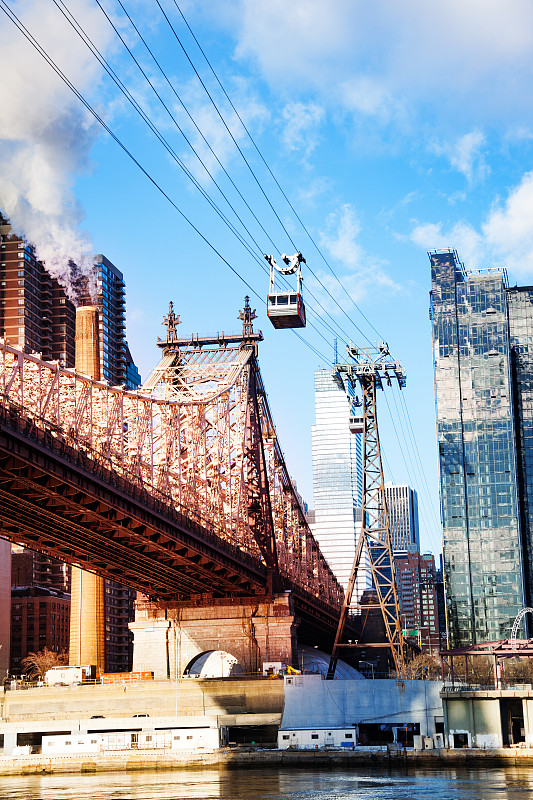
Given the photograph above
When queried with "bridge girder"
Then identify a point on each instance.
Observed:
(162, 478)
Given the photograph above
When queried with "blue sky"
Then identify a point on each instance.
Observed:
(392, 129)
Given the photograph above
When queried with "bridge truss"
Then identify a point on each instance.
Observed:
(198, 439)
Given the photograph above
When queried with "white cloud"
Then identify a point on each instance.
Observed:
(505, 238)
(340, 236)
(45, 133)
(301, 122)
(461, 236)
(359, 273)
(467, 54)
(253, 113)
(508, 229)
(465, 155)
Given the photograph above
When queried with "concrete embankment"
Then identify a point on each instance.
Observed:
(253, 759)
(185, 697)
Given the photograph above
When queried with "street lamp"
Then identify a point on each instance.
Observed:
(369, 664)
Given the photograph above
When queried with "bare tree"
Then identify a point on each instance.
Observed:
(423, 666)
(35, 665)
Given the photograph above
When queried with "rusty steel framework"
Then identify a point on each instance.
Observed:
(199, 436)
(369, 369)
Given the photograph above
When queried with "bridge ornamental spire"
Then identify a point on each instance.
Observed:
(247, 316)
(171, 321)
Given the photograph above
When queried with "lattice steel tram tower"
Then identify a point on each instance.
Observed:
(371, 369)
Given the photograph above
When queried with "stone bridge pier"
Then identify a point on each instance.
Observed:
(169, 636)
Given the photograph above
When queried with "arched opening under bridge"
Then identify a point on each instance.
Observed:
(214, 664)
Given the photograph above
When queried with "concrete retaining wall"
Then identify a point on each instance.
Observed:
(158, 698)
(232, 759)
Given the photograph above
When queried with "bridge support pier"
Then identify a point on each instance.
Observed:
(169, 636)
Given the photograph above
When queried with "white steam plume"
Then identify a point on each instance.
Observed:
(45, 133)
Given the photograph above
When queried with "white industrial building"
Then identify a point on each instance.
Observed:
(346, 713)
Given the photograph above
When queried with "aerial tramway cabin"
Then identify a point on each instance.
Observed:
(286, 309)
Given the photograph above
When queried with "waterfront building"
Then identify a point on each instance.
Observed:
(402, 505)
(119, 612)
(344, 713)
(415, 579)
(337, 477)
(482, 334)
(40, 617)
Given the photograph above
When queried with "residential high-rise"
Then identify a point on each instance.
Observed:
(110, 299)
(483, 352)
(415, 579)
(441, 605)
(337, 476)
(39, 618)
(107, 293)
(132, 376)
(35, 311)
(402, 505)
(32, 568)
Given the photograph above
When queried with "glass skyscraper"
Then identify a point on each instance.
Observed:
(337, 476)
(482, 335)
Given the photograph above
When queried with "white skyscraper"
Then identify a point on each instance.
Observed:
(337, 477)
(402, 505)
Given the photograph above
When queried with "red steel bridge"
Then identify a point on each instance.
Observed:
(179, 490)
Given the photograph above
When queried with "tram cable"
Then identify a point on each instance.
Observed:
(105, 64)
(80, 31)
(126, 150)
(49, 60)
(410, 474)
(252, 140)
(326, 290)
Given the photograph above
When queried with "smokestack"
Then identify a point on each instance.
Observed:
(87, 342)
(87, 608)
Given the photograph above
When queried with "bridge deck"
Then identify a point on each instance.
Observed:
(59, 501)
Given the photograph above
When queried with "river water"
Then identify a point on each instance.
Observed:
(511, 783)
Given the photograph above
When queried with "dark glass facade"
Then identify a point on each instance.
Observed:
(520, 306)
(478, 422)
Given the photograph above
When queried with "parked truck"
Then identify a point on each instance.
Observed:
(66, 676)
